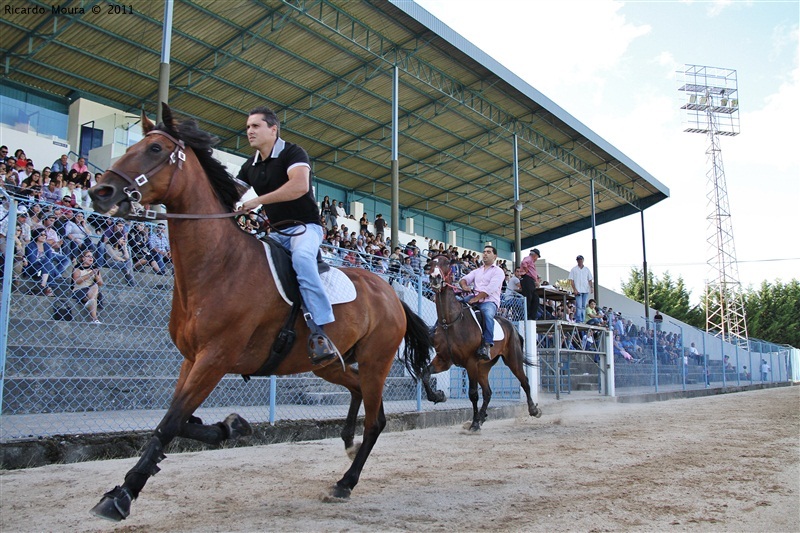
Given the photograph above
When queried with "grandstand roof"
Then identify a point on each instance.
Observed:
(326, 68)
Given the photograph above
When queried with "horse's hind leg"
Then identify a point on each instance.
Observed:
(483, 381)
(436, 366)
(195, 383)
(515, 361)
(473, 397)
(349, 380)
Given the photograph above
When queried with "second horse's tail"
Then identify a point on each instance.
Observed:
(418, 343)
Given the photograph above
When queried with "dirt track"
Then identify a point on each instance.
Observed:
(720, 463)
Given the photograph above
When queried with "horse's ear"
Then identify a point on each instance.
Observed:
(166, 117)
(147, 125)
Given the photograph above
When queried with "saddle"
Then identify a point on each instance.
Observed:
(498, 334)
(280, 264)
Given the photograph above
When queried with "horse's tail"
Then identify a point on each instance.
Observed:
(418, 343)
(525, 360)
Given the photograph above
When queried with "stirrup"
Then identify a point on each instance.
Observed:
(483, 352)
(320, 348)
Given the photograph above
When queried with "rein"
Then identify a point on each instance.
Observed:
(177, 157)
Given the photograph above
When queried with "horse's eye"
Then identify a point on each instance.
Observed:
(155, 148)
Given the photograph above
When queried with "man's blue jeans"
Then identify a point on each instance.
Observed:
(488, 310)
(581, 299)
(304, 243)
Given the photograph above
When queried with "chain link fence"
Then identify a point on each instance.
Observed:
(64, 374)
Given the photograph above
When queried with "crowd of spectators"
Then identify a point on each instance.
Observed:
(58, 240)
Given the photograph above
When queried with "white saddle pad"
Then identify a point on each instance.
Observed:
(338, 286)
(498, 334)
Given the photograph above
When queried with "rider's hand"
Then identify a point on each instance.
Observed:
(251, 205)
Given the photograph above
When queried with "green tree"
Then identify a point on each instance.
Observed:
(773, 312)
(666, 295)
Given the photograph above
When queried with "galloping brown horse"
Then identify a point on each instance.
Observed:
(226, 309)
(457, 337)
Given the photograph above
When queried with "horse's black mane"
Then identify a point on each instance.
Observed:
(202, 142)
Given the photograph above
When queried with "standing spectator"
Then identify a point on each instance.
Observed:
(86, 283)
(325, 209)
(40, 261)
(333, 217)
(529, 282)
(694, 353)
(580, 278)
(61, 164)
(80, 166)
(159, 244)
(364, 224)
(764, 370)
(380, 226)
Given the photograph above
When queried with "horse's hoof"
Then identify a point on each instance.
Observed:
(338, 494)
(437, 397)
(475, 428)
(237, 426)
(535, 411)
(115, 505)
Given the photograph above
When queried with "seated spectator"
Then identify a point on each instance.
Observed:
(80, 166)
(22, 160)
(4, 154)
(56, 242)
(593, 316)
(86, 283)
(77, 236)
(141, 254)
(82, 185)
(25, 171)
(41, 262)
(32, 186)
(51, 194)
(23, 223)
(13, 180)
(619, 351)
(118, 256)
(20, 262)
(61, 164)
(159, 244)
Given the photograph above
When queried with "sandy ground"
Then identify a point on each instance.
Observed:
(721, 463)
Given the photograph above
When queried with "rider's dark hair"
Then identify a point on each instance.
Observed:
(268, 115)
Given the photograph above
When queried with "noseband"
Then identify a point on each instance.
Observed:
(443, 321)
(133, 192)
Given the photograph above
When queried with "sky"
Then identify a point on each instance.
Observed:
(611, 65)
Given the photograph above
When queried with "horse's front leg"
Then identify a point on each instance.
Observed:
(473, 397)
(194, 385)
(483, 380)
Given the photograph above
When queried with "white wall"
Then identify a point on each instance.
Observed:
(43, 150)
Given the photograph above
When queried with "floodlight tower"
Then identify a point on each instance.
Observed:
(710, 100)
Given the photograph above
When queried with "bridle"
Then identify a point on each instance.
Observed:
(177, 157)
(436, 271)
